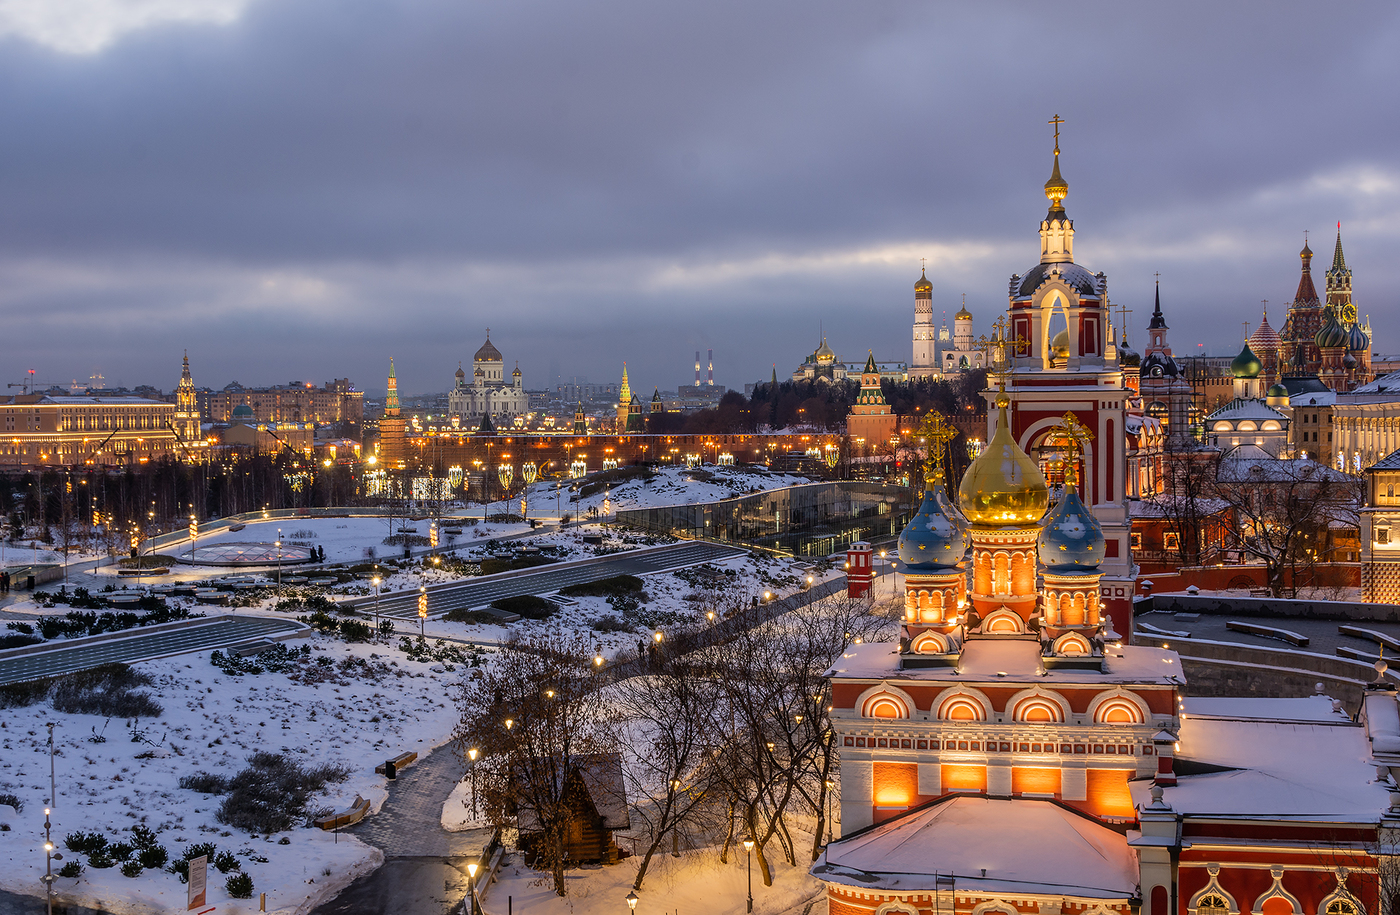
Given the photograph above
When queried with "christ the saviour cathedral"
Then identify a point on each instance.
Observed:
(1016, 754)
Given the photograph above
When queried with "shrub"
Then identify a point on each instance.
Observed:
(100, 860)
(207, 849)
(530, 606)
(605, 587)
(355, 631)
(18, 640)
(272, 793)
(132, 868)
(609, 623)
(463, 615)
(22, 695)
(85, 843)
(71, 869)
(21, 628)
(106, 690)
(119, 851)
(225, 862)
(143, 838)
(239, 886)
(321, 621)
(11, 800)
(204, 783)
(180, 868)
(154, 858)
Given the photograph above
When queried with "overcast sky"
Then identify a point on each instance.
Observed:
(301, 189)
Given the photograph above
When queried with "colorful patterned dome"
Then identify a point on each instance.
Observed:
(1246, 364)
(1070, 539)
(1332, 334)
(935, 538)
(1003, 487)
(1357, 341)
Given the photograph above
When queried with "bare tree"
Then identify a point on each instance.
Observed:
(1283, 509)
(1189, 473)
(672, 763)
(777, 753)
(535, 715)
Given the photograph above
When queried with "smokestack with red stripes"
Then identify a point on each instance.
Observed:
(710, 376)
(697, 368)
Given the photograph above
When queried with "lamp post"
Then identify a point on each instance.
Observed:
(829, 785)
(748, 857)
(472, 754)
(279, 563)
(631, 901)
(422, 611)
(471, 884)
(375, 581)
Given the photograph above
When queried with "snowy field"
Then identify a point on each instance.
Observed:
(696, 883)
(347, 704)
(667, 486)
(354, 713)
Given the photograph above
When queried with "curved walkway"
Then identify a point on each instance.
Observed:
(419, 855)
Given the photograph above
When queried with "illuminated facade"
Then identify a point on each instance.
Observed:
(45, 430)
(488, 393)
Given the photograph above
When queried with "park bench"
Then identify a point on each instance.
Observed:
(1268, 632)
(1371, 635)
(402, 761)
(348, 817)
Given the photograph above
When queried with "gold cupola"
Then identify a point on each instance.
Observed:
(1056, 188)
(1003, 487)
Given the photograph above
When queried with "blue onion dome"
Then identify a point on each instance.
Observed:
(1332, 334)
(1070, 539)
(1357, 341)
(1246, 364)
(934, 538)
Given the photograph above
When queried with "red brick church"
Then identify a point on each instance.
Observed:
(1014, 754)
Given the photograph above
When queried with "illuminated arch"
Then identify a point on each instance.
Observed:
(961, 703)
(1119, 706)
(1247, 425)
(930, 643)
(1341, 901)
(1073, 645)
(995, 907)
(897, 908)
(885, 702)
(1038, 706)
(1003, 620)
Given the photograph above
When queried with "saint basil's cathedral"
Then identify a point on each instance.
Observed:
(1015, 754)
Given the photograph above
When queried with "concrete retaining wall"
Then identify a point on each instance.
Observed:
(1269, 606)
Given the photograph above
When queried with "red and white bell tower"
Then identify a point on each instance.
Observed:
(1064, 361)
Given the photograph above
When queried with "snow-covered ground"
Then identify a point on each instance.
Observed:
(666, 486)
(696, 883)
(351, 713)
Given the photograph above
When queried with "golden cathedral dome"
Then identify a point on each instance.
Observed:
(1059, 347)
(1003, 487)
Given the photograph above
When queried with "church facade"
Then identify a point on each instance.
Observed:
(488, 393)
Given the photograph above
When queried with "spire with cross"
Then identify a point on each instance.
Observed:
(936, 432)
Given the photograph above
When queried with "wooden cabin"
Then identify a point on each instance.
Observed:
(597, 802)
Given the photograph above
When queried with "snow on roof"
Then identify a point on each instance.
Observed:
(1389, 462)
(1386, 384)
(985, 659)
(1241, 466)
(1147, 508)
(1310, 709)
(1381, 715)
(1287, 758)
(1313, 399)
(1241, 408)
(1051, 850)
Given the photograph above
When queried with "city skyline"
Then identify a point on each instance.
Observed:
(292, 193)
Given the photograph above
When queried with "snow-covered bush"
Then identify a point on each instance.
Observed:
(239, 886)
(272, 793)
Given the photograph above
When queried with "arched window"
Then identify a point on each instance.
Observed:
(1212, 904)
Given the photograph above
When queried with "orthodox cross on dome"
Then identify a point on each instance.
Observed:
(1245, 325)
(923, 264)
(1075, 435)
(1123, 312)
(936, 432)
(1057, 121)
(1265, 303)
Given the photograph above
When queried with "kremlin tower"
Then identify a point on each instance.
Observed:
(392, 428)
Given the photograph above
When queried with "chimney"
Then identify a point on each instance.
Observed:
(697, 368)
(710, 376)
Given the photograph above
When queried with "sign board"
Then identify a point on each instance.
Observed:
(199, 873)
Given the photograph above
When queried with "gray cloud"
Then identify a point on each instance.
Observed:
(320, 184)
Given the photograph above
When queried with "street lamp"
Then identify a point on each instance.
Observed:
(748, 856)
(375, 581)
(279, 562)
(631, 901)
(471, 884)
(472, 754)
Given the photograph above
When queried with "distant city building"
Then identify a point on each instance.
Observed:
(1325, 339)
(334, 402)
(244, 430)
(487, 394)
(1380, 532)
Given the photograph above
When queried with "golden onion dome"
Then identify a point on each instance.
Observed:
(1003, 487)
(1059, 347)
(1056, 189)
